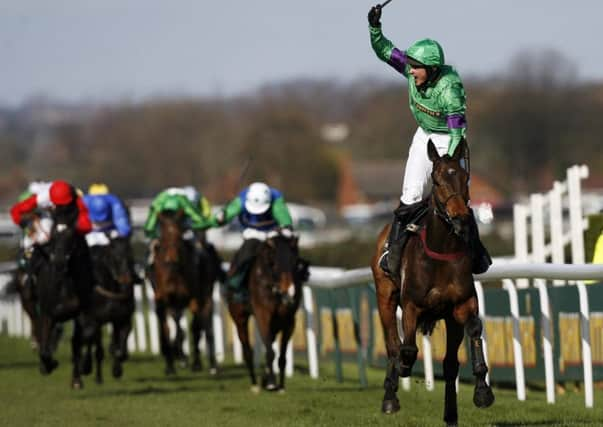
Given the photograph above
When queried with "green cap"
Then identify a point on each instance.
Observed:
(427, 52)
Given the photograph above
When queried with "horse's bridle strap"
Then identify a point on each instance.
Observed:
(452, 256)
(111, 295)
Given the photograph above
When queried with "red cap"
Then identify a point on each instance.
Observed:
(61, 193)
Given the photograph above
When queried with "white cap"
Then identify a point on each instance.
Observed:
(258, 198)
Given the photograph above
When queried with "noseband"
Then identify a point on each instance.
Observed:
(440, 207)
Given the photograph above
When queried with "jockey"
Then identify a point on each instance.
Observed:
(195, 207)
(437, 102)
(59, 196)
(110, 219)
(260, 209)
(56, 196)
(198, 212)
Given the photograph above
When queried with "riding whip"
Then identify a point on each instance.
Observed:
(385, 3)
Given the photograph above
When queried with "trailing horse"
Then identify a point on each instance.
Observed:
(274, 283)
(183, 276)
(63, 271)
(436, 283)
(112, 300)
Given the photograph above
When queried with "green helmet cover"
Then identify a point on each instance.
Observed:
(171, 204)
(427, 52)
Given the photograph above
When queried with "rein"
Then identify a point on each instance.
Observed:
(109, 294)
(452, 256)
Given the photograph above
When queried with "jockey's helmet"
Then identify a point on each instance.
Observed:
(98, 188)
(99, 209)
(191, 193)
(426, 52)
(61, 193)
(258, 199)
(172, 203)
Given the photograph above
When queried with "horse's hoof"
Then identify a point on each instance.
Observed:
(452, 424)
(77, 384)
(213, 371)
(281, 391)
(483, 397)
(183, 363)
(255, 389)
(169, 371)
(390, 406)
(117, 371)
(271, 387)
(196, 367)
(47, 367)
(87, 367)
(99, 380)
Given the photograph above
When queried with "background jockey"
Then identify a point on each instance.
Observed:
(110, 219)
(198, 218)
(437, 102)
(260, 209)
(56, 196)
(59, 196)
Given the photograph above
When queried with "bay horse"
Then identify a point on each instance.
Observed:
(112, 300)
(182, 277)
(436, 283)
(275, 288)
(64, 285)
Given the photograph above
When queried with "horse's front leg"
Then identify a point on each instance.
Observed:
(121, 331)
(99, 355)
(287, 331)
(468, 314)
(196, 327)
(164, 337)
(454, 337)
(241, 319)
(76, 353)
(179, 342)
(45, 327)
(208, 327)
(388, 297)
(409, 349)
(262, 321)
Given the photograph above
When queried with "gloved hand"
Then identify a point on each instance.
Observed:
(286, 232)
(220, 217)
(374, 16)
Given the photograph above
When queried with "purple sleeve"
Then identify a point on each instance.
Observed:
(456, 121)
(397, 60)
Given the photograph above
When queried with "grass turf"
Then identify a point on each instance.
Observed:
(144, 396)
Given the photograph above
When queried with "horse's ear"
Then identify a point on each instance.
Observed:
(459, 151)
(432, 152)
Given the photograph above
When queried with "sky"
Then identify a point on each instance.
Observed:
(108, 50)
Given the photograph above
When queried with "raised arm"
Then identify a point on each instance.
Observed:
(385, 49)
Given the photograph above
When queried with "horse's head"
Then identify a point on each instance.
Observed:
(171, 228)
(279, 263)
(118, 260)
(450, 191)
(62, 244)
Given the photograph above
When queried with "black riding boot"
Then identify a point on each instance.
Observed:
(391, 258)
(481, 260)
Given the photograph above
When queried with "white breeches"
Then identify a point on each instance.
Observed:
(417, 174)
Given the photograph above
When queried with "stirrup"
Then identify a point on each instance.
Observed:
(383, 262)
(413, 228)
